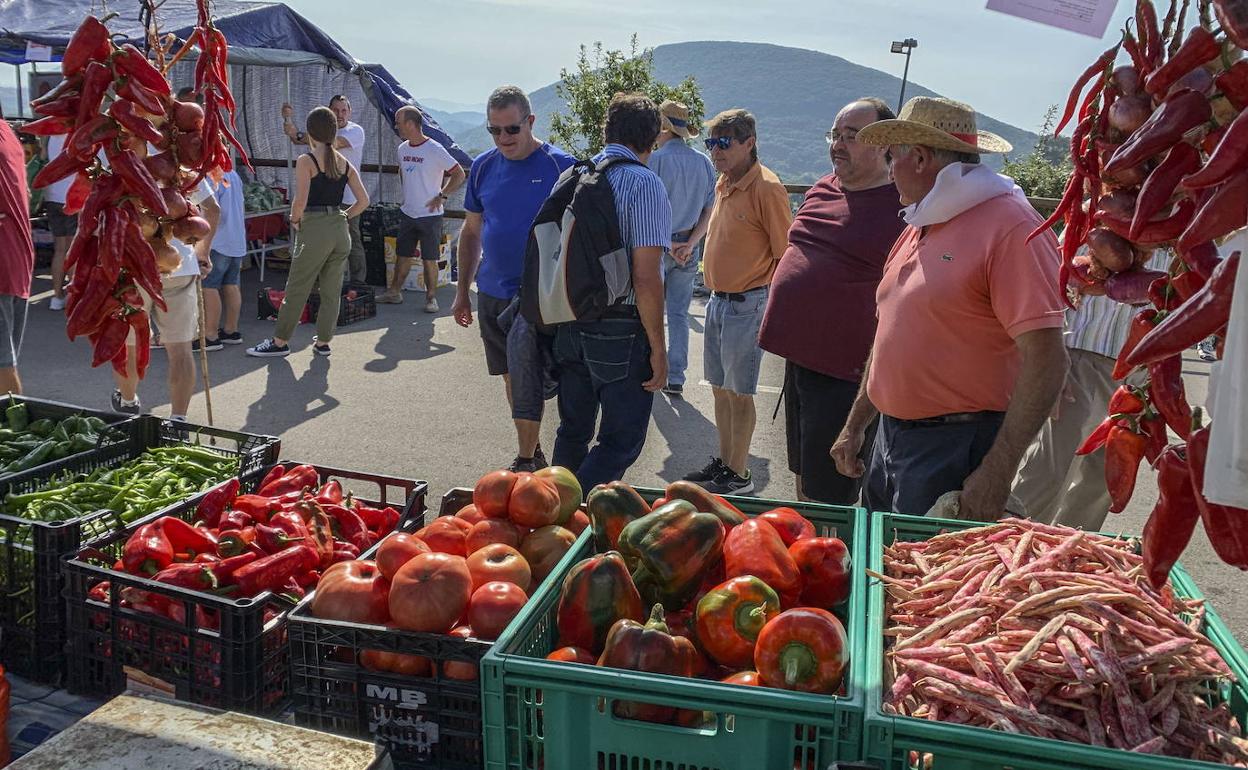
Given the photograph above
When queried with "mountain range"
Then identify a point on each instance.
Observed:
(793, 92)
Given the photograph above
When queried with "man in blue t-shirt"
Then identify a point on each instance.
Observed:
(506, 187)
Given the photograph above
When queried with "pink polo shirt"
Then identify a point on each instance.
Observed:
(951, 303)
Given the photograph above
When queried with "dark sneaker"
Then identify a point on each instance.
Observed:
(210, 345)
(729, 483)
(1207, 350)
(230, 338)
(269, 349)
(674, 390)
(522, 465)
(539, 458)
(320, 350)
(122, 408)
(712, 471)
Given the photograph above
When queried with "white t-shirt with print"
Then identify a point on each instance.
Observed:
(353, 133)
(55, 192)
(421, 168)
(190, 266)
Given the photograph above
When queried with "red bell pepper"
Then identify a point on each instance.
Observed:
(790, 525)
(1226, 526)
(705, 502)
(258, 507)
(90, 43)
(345, 552)
(330, 493)
(1124, 449)
(803, 649)
(374, 518)
(147, 551)
(730, 617)
(296, 479)
(1204, 314)
(1125, 400)
(289, 522)
(186, 538)
(826, 570)
(272, 572)
(754, 548)
(648, 648)
(275, 473)
(215, 501)
(1173, 519)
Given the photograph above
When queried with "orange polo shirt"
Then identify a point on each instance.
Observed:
(953, 299)
(748, 231)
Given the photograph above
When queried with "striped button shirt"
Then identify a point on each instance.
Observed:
(1100, 324)
(640, 202)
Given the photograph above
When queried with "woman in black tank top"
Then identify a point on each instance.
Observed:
(322, 239)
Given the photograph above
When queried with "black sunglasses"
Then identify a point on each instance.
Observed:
(511, 130)
(722, 142)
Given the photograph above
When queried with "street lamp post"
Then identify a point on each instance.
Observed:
(904, 46)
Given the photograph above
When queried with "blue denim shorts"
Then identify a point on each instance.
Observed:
(732, 356)
(225, 271)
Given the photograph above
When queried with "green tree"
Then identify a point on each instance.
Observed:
(1042, 173)
(588, 89)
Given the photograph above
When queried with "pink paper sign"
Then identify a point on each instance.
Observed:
(1087, 17)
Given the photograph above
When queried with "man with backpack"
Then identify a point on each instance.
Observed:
(593, 270)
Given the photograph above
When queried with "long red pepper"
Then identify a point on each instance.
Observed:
(1233, 84)
(90, 43)
(1182, 159)
(224, 570)
(186, 538)
(1173, 519)
(1124, 449)
(49, 126)
(131, 61)
(197, 577)
(1202, 315)
(1225, 211)
(1097, 438)
(269, 573)
(147, 551)
(1233, 18)
(214, 502)
(1226, 526)
(1199, 47)
(1150, 37)
(95, 82)
(1201, 258)
(138, 180)
(1096, 67)
(1156, 437)
(1182, 111)
(1168, 396)
(1071, 197)
(1230, 156)
(1157, 231)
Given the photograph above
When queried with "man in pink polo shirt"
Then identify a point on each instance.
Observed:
(968, 358)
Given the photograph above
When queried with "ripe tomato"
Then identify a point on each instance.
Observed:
(570, 494)
(396, 662)
(492, 607)
(464, 525)
(499, 562)
(430, 592)
(573, 655)
(578, 523)
(458, 669)
(534, 501)
(489, 531)
(355, 591)
(445, 536)
(396, 550)
(544, 547)
(492, 492)
(470, 513)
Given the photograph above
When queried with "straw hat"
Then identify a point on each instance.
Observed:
(942, 124)
(676, 119)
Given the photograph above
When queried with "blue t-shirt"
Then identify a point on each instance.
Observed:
(508, 194)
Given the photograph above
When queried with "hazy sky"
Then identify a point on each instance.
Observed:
(460, 49)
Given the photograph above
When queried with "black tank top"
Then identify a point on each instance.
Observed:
(324, 191)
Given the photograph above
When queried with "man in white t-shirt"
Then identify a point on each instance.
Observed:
(350, 143)
(429, 176)
(62, 225)
(179, 324)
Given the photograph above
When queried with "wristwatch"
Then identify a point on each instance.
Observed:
(299, 137)
(444, 196)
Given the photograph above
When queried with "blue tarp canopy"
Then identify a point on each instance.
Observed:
(260, 34)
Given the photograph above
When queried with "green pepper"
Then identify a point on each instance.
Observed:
(42, 428)
(36, 456)
(17, 415)
(670, 550)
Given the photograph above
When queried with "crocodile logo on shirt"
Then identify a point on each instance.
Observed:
(946, 257)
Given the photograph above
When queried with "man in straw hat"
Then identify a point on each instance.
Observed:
(690, 181)
(968, 358)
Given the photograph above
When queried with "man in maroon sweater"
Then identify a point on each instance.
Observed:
(821, 317)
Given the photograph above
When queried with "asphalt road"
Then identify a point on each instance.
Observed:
(406, 393)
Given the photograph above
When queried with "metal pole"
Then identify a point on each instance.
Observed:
(905, 74)
(290, 148)
(381, 178)
(21, 109)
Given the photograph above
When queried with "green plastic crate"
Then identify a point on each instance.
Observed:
(889, 740)
(556, 716)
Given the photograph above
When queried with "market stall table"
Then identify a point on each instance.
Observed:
(132, 731)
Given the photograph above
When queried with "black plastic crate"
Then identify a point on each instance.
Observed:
(358, 303)
(224, 653)
(40, 409)
(423, 722)
(32, 610)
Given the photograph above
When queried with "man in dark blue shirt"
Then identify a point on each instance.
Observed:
(506, 187)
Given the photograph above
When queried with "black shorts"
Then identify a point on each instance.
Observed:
(61, 224)
(427, 231)
(815, 409)
(492, 333)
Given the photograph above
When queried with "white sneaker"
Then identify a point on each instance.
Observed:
(56, 303)
(431, 306)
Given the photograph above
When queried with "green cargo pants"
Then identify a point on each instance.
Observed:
(322, 244)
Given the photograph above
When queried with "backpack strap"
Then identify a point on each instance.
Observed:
(613, 160)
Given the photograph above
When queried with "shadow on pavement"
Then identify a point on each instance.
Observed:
(411, 341)
(288, 401)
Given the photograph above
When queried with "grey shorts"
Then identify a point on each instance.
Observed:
(493, 335)
(426, 231)
(61, 224)
(12, 326)
(732, 355)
